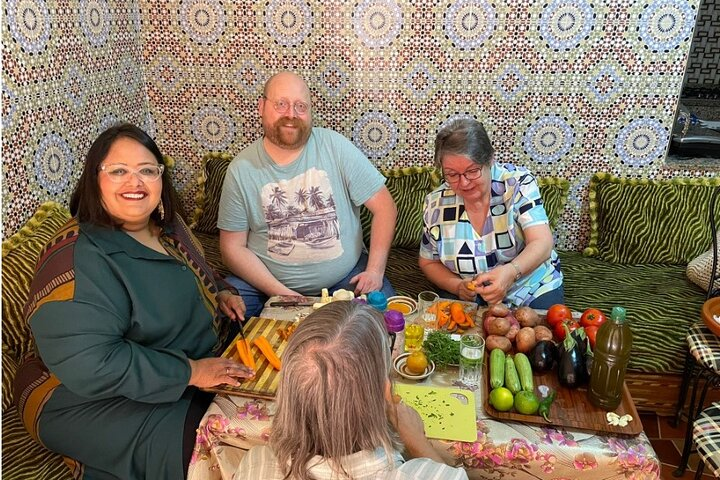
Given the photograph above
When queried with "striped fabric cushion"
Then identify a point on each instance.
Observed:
(23, 458)
(210, 182)
(649, 221)
(553, 191)
(19, 255)
(661, 305)
(704, 346)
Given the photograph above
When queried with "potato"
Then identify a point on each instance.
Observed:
(498, 326)
(498, 310)
(542, 333)
(514, 328)
(526, 317)
(525, 340)
(497, 341)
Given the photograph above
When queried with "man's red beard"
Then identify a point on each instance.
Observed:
(289, 139)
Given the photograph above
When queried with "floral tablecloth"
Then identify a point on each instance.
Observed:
(502, 450)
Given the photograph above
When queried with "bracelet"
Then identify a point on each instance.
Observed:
(518, 272)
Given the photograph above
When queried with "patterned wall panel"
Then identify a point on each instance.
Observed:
(69, 70)
(704, 60)
(564, 87)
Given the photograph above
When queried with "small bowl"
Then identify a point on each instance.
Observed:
(405, 305)
(401, 368)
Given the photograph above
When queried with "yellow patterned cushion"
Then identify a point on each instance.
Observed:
(210, 185)
(639, 221)
(699, 268)
(19, 255)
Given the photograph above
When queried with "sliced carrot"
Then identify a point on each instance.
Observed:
(266, 349)
(246, 357)
(457, 313)
(442, 318)
(469, 320)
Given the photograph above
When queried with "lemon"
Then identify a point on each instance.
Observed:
(416, 363)
(501, 398)
(526, 403)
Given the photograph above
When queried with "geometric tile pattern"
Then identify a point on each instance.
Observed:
(564, 87)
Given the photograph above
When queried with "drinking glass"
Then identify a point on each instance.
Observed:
(425, 300)
(472, 350)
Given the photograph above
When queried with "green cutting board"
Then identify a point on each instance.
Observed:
(445, 416)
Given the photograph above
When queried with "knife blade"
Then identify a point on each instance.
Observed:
(292, 303)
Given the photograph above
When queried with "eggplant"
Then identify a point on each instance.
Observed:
(572, 371)
(543, 356)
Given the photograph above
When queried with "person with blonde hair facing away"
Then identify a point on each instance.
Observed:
(336, 417)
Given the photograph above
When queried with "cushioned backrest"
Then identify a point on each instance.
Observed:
(649, 221)
(19, 256)
(408, 187)
(554, 192)
(210, 185)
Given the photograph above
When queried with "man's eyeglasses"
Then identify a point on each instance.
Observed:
(283, 106)
(119, 173)
(471, 174)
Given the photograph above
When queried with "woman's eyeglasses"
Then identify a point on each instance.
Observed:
(471, 174)
(283, 106)
(119, 173)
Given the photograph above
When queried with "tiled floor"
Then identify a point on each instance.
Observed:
(668, 444)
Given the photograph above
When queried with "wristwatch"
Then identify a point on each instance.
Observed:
(518, 272)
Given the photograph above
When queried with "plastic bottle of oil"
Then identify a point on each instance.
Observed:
(612, 354)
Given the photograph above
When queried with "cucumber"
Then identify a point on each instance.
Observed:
(524, 371)
(497, 368)
(512, 381)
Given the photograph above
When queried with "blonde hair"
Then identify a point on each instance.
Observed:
(331, 399)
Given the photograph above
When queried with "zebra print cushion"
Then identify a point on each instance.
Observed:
(210, 185)
(649, 221)
(22, 457)
(661, 305)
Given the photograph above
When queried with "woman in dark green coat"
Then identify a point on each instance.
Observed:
(125, 315)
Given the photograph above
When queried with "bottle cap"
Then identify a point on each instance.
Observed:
(618, 314)
(377, 299)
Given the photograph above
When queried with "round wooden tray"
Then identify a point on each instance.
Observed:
(711, 309)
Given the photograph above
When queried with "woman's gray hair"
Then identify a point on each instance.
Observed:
(466, 137)
(331, 400)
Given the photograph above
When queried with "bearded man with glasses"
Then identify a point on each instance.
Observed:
(486, 235)
(289, 215)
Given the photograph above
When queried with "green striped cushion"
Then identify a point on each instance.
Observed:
(553, 191)
(210, 185)
(19, 255)
(408, 187)
(661, 304)
(649, 221)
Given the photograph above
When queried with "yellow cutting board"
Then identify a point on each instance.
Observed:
(448, 413)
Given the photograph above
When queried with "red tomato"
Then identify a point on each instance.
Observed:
(558, 314)
(591, 333)
(592, 317)
(559, 330)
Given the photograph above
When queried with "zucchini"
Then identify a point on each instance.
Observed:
(512, 381)
(497, 368)
(524, 371)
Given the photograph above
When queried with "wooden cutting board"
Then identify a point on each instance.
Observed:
(448, 413)
(266, 380)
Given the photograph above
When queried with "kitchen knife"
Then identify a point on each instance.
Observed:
(293, 303)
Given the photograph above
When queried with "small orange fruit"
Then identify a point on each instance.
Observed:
(416, 363)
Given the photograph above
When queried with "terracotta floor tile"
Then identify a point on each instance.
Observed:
(668, 431)
(650, 425)
(666, 451)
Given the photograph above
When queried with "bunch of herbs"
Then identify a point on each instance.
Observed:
(441, 349)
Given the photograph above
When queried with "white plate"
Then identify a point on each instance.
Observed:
(401, 369)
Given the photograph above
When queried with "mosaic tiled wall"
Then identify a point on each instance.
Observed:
(565, 87)
(704, 59)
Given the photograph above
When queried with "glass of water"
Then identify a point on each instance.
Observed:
(427, 299)
(472, 350)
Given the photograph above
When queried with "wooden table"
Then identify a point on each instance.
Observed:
(503, 449)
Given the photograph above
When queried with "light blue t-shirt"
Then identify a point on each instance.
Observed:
(302, 219)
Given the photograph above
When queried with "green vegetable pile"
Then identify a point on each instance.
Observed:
(441, 349)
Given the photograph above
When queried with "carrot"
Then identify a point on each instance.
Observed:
(243, 348)
(457, 313)
(469, 320)
(264, 346)
(442, 318)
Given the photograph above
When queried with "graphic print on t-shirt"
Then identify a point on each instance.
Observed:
(302, 220)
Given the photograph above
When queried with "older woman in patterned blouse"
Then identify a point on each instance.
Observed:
(486, 235)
